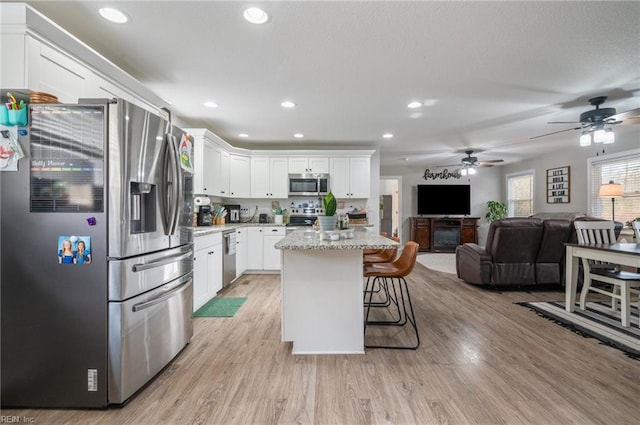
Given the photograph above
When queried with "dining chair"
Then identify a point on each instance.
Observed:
(636, 229)
(619, 284)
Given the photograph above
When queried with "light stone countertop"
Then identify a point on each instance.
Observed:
(310, 240)
(208, 230)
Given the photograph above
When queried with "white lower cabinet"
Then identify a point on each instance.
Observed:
(207, 268)
(261, 253)
(254, 249)
(241, 250)
(270, 255)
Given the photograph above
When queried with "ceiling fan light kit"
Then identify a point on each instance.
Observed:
(468, 171)
(469, 163)
(595, 124)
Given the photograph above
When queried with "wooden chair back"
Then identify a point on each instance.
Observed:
(636, 229)
(595, 232)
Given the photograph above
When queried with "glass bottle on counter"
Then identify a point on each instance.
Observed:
(343, 221)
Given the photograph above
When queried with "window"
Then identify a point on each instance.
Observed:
(520, 194)
(623, 168)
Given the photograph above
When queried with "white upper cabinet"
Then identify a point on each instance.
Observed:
(350, 177)
(221, 172)
(206, 160)
(239, 176)
(309, 165)
(53, 72)
(212, 164)
(205, 167)
(269, 177)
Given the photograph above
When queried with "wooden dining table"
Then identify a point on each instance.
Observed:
(624, 254)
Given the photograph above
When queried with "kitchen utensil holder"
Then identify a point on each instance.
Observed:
(12, 117)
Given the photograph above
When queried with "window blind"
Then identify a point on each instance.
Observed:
(520, 195)
(624, 169)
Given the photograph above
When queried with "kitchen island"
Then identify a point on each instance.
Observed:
(322, 291)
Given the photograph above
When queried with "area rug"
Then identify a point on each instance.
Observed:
(440, 262)
(597, 321)
(220, 307)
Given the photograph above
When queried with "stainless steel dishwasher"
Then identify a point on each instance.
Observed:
(229, 257)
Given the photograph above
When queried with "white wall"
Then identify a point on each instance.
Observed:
(490, 183)
(576, 158)
(486, 185)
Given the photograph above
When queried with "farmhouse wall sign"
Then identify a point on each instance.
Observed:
(444, 174)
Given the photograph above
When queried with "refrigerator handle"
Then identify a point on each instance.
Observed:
(176, 186)
(165, 182)
(163, 297)
(152, 265)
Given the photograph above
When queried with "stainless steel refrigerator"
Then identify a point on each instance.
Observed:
(96, 255)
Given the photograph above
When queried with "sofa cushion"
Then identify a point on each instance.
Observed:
(514, 240)
(570, 216)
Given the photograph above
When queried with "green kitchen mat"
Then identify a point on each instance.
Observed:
(220, 307)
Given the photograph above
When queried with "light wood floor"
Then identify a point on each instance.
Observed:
(483, 360)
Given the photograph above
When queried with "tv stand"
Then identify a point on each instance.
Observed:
(443, 234)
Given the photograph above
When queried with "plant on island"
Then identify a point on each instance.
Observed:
(330, 204)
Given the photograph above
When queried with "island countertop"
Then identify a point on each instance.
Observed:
(310, 240)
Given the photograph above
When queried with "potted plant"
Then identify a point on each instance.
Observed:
(329, 219)
(277, 215)
(496, 211)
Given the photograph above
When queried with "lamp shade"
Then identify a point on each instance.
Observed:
(610, 190)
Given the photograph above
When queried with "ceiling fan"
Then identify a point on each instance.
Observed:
(469, 163)
(598, 118)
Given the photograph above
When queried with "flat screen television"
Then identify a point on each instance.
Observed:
(444, 199)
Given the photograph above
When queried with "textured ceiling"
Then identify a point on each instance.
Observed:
(492, 74)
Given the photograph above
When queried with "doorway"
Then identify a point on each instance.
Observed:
(390, 205)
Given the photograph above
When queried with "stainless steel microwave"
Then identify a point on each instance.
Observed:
(308, 184)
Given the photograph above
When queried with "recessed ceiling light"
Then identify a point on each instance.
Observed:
(288, 104)
(255, 15)
(414, 104)
(113, 15)
(210, 104)
(243, 135)
(387, 136)
(298, 135)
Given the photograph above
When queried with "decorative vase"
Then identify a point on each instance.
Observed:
(327, 223)
(277, 219)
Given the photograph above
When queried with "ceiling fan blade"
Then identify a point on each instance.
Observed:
(492, 161)
(555, 132)
(449, 165)
(564, 122)
(629, 117)
(484, 164)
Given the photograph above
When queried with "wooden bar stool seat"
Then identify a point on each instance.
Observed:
(383, 256)
(391, 275)
(374, 251)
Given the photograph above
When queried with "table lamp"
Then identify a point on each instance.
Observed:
(611, 190)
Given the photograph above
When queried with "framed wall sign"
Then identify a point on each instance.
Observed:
(558, 185)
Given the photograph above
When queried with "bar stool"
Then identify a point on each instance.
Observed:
(374, 251)
(382, 256)
(394, 274)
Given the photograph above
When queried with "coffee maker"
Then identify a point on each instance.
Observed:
(205, 217)
(233, 213)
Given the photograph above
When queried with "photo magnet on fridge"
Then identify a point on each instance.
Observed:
(74, 250)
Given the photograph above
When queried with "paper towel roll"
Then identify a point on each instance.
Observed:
(202, 200)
